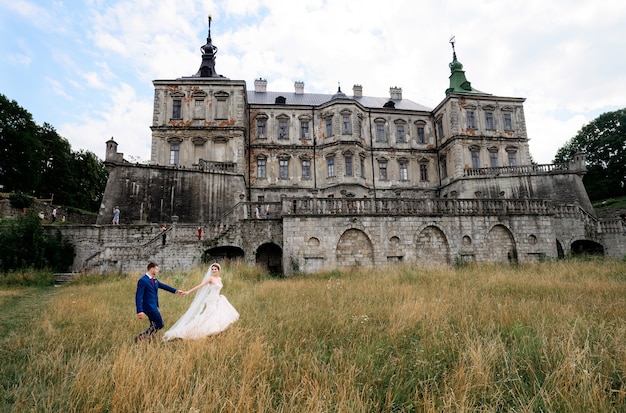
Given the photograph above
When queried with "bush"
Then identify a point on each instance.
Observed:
(23, 245)
(20, 200)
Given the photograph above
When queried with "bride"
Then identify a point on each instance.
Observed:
(209, 313)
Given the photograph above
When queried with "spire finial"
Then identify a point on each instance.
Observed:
(452, 41)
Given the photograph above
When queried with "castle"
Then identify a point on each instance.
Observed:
(301, 182)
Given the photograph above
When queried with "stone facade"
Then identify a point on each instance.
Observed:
(346, 181)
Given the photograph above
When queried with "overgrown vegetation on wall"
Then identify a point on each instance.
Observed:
(25, 245)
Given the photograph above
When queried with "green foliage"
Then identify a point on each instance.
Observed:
(20, 200)
(37, 160)
(21, 150)
(603, 141)
(24, 245)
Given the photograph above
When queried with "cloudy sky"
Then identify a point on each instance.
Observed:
(86, 66)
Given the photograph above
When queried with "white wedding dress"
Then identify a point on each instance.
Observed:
(209, 313)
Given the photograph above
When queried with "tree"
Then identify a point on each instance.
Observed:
(20, 148)
(603, 141)
(37, 161)
(89, 180)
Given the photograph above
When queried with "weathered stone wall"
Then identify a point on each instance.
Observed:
(566, 188)
(158, 194)
(333, 242)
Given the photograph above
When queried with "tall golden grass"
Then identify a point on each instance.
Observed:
(549, 337)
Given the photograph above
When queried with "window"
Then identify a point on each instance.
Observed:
(360, 128)
(382, 169)
(348, 161)
(260, 168)
(198, 110)
(440, 128)
(304, 130)
(493, 159)
(512, 158)
(444, 167)
(283, 168)
(347, 130)
(174, 153)
(404, 171)
(420, 135)
(331, 167)
(329, 127)
(221, 109)
(489, 120)
(177, 109)
(400, 132)
(475, 159)
(362, 165)
(380, 132)
(423, 172)
(260, 128)
(260, 199)
(306, 169)
(471, 121)
(282, 129)
(508, 124)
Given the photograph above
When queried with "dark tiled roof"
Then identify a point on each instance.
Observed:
(316, 99)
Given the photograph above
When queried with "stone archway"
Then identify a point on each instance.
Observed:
(270, 257)
(222, 254)
(354, 249)
(587, 247)
(500, 245)
(432, 247)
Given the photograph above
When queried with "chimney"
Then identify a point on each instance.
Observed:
(357, 91)
(260, 85)
(395, 92)
(299, 86)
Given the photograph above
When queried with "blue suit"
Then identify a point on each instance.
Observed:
(147, 302)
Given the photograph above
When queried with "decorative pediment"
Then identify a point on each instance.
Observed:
(261, 116)
(511, 149)
(469, 106)
(177, 94)
(474, 148)
(198, 94)
(220, 139)
(198, 140)
(507, 108)
(420, 122)
(221, 95)
(492, 149)
(174, 140)
(489, 108)
(399, 122)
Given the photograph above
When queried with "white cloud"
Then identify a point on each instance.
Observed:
(564, 57)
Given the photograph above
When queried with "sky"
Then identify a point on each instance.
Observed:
(86, 66)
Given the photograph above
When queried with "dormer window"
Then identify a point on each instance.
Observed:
(280, 100)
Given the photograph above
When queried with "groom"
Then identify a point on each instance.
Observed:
(147, 300)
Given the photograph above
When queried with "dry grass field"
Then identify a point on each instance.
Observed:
(549, 337)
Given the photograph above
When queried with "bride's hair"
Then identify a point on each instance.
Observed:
(216, 265)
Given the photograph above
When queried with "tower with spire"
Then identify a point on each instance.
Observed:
(207, 67)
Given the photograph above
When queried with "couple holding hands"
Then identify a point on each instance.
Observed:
(209, 313)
